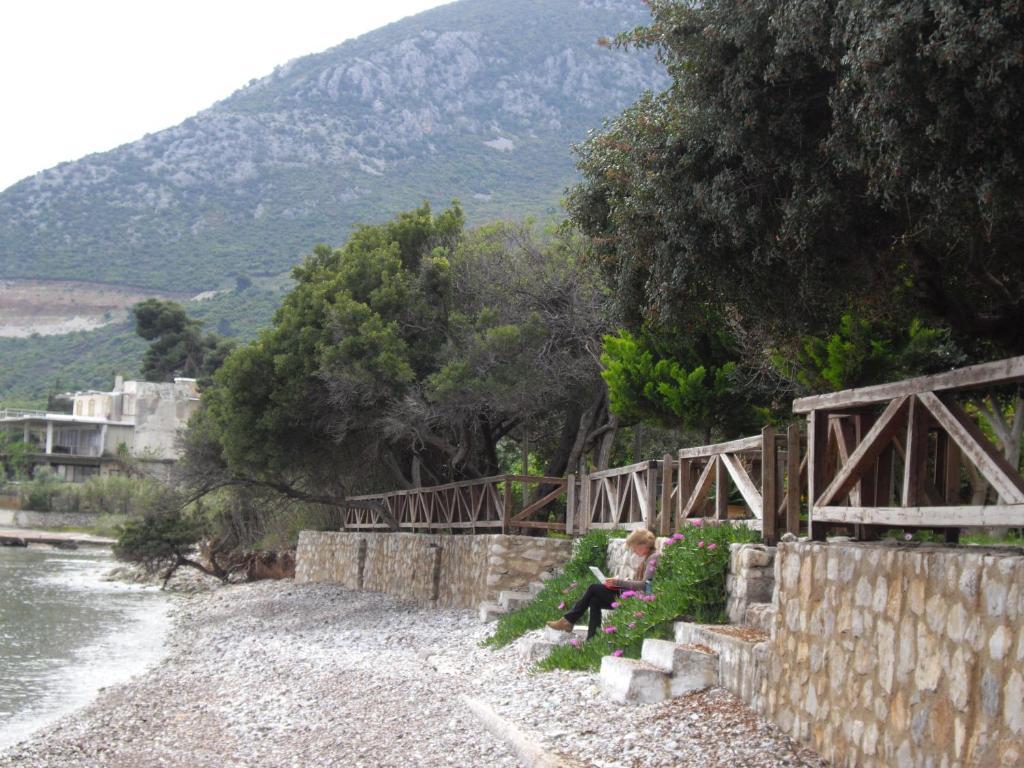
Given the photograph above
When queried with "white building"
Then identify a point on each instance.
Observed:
(138, 419)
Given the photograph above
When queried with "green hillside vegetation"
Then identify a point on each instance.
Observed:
(38, 366)
(351, 135)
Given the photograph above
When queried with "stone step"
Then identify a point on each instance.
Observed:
(532, 651)
(557, 636)
(513, 600)
(742, 654)
(691, 668)
(761, 616)
(633, 681)
(490, 612)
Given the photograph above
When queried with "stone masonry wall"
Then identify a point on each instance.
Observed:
(899, 655)
(751, 579)
(441, 570)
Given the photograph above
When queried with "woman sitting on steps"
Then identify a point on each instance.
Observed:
(598, 596)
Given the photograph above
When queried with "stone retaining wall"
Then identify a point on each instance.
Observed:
(442, 570)
(24, 518)
(899, 655)
(751, 579)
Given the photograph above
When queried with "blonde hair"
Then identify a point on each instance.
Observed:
(639, 537)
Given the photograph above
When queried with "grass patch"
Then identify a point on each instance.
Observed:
(689, 583)
(559, 592)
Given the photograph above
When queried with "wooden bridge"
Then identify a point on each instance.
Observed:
(906, 454)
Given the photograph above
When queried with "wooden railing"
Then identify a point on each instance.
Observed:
(491, 504)
(662, 495)
(910, 454)
(624, 497)
(906, 454)
(765, 469)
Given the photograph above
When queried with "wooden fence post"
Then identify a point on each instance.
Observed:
(583, 522)
(817, 446)
(570, 503)
(651, 491)
(667, 471)
(769, 529)
(721, 489)
(506, 512)
(793, 487)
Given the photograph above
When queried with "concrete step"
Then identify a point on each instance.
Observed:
(691, 668)
(633, 681)
(490, 612)
(513, 600)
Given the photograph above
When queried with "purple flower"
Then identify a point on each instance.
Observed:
(698, 522)
(677, 536)
(575, 642)
(610, 629)
(712, 545)
(632, 625)
(639, 614)
(700, 544)
(561, 605)
(908, 536)
(617, 652)
(628, 593)
(615, 605)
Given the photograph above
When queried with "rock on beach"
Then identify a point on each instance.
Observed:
(278, 674)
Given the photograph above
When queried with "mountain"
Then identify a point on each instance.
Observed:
(478, 100)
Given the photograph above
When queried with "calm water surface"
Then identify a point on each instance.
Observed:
(65, 633)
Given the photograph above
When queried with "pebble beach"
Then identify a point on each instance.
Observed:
(277, 674)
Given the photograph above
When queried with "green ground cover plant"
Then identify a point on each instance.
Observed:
(689, 583)
(559, 592)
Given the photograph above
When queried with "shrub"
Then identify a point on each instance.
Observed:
(559, 592)
(689, 583)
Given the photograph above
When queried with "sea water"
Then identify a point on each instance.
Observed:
(66, 632)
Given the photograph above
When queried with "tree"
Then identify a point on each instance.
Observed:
(679, 380)
(819, 159)
(178, 346)
(404, 357)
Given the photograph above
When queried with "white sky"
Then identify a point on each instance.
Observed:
(83, 76)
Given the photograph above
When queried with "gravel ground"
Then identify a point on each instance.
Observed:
(277, 674)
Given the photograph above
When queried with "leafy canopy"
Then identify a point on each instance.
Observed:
(816, 159)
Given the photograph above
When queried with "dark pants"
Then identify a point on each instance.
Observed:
(596, 597)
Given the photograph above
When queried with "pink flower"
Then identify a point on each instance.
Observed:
(628, 593)
(639, 614)
(632, 625)
(561, 605)
(698, 522)
(712, 545)
(575, 642)
(677, 536)
(647, 598)
(615, 605)
(700, 544)
(617, 652)
(610, 629)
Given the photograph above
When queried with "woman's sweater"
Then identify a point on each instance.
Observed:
(644, 573)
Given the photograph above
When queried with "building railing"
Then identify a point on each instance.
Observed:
(20, 413)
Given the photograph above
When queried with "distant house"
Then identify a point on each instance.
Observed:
(138, 419)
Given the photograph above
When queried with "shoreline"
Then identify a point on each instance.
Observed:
(279, 674)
